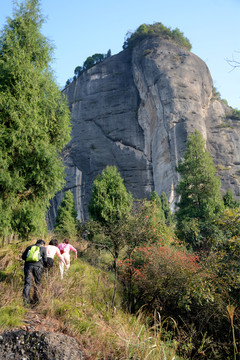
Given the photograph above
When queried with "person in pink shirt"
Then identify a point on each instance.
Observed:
(65, 249)
(52, 250)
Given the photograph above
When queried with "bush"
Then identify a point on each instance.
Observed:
(197, 294)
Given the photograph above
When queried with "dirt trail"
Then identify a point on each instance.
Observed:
(35, 321)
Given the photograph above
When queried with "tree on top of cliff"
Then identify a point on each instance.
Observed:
(199, 188)
(88, 63)
(156, 29)
(34, 120)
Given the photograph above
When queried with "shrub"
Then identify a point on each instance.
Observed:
(235, 114)
(195, 293)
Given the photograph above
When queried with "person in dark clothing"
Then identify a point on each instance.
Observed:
(33, 270)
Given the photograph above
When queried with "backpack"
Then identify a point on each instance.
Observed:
(63, 249)
(33, 254)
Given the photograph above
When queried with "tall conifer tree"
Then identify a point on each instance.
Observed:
(66, 216)
(110, 200)
(199, 189)
(34, 122)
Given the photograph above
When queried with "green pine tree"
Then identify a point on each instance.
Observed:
(199, 189)
(65, 224)
(34, 122)
(110, 200)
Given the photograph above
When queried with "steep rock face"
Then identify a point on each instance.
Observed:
(135, 110)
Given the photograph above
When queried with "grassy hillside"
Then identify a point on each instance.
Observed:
(80, 305)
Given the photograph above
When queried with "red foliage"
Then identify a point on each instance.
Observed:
(145, 257)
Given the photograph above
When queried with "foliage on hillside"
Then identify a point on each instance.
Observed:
(188, 292)
(156, 30)
(196, 293)
(200, 290)
(81, 304)
(139, 266)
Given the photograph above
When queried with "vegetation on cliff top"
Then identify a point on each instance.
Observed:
(156, 29)
(132, 39)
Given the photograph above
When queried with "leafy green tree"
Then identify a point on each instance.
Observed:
(110, 205)
(98, 58)
(229, 200)
(88, 63)
(144, 227)
(166, 209)
(110, 200)
(229, 222)
(78, 70)
(162, 203)
(65, 224)
(34, 121)
(199, 188)
(155, 198)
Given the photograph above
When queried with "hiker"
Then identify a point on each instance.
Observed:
(52, 250)
(35, 257)
(65, 249)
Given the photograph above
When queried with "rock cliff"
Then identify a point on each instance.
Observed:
(135, 110)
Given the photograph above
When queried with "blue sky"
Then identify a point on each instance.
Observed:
(80, 28)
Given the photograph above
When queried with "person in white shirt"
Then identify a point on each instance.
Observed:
(52, 249)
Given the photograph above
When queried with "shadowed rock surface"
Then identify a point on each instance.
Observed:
(135, 110)
(38, 345)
